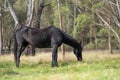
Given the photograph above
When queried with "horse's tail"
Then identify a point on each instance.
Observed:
(15, 48)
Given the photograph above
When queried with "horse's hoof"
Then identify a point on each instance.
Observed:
(79, 59)
(17, 66)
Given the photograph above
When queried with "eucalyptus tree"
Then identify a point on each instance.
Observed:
(109, 16)
(1, 40)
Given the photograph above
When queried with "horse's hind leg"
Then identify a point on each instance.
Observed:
(21, 48)
(33, 51)
(54, 56)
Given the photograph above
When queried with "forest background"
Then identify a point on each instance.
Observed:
(95, 23)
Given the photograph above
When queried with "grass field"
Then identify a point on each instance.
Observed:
(97, 65)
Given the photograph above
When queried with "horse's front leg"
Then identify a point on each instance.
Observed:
(54, 56)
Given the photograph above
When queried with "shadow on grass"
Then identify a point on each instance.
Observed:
(8, 72)
(35, 65)
(43, 64)
(6, 64)
(12, 73)
(67, 63)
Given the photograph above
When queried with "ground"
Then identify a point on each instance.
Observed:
(96, 65)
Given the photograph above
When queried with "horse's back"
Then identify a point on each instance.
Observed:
(40, 37)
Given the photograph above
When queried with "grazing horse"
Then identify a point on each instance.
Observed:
(50, 37)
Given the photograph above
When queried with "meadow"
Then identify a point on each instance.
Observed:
(96, 65)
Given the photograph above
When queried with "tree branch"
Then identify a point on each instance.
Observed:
(5, 6)
(38, 13)
(116, 21)
(118, 7)
(12, 11)
(105, 22)
(112, 3)
(46, 4)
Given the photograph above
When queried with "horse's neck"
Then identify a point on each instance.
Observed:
(74, 44)
(71, 42)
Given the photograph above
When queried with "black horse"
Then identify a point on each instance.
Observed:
(50, 37)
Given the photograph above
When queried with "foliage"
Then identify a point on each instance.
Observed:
(101, 43)
(79, 19)
(81, 22)
(90, 46)
(21, 11)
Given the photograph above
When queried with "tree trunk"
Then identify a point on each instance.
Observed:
(109, 38)
(1, 39)
(90, 36)
(60, 24)
(109, 42)
(30, 6)
(74, 14)
(118, 6)
(95, 40)
(9, 45)
(38, 14)
(12, 11)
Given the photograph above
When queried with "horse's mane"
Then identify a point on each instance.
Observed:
(22, 27)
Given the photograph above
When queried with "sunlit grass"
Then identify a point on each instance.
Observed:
(96, 65)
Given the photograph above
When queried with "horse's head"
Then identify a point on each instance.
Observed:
(78, 53)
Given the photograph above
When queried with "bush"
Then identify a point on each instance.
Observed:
(90, 46)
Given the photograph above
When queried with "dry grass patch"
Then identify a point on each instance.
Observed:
(96, 65)
(69, 56)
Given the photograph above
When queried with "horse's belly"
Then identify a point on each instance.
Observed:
(42, 45)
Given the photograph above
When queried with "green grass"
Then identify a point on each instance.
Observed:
(95, 66)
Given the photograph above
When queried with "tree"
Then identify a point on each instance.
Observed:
(38, 13)
(30, 13)
(30, 4)
(1, 26)
(109, 17)
(12, 11)
(1, 39)
(96, 23)
(60, 24)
